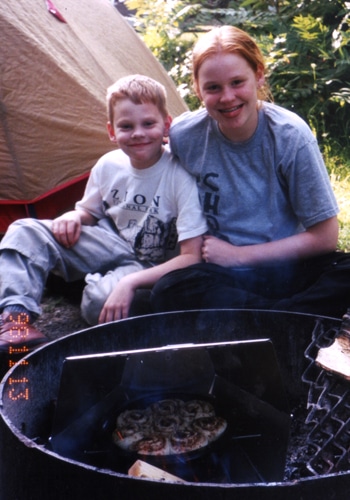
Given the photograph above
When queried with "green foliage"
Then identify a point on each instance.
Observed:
(165, 27)
(309, 72)
(338, 165)
(307, 48)
(306, 44)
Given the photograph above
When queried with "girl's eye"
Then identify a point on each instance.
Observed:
(236, 83)
(212, 88)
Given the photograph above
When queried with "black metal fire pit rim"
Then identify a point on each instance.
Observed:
(153, 316)
(294, 335)
(280, 485)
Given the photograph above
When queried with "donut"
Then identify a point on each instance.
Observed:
(154, 444)
(167, 424)
(186, 440)
(212, 426)
(167, 406)
(125, 437)
(168, 427)
(197, 408)
(138, 417)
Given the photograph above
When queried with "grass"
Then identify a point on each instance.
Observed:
(338, 165)
(341, 188)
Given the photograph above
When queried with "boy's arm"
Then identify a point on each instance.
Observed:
(67, 228)
(118, 303)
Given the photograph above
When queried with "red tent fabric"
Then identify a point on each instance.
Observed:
(53, 79)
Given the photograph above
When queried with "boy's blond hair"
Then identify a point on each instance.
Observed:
(139, 89)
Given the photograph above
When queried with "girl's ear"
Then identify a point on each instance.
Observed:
(111, 133)
(197, 91)
(260, 77)
(167, 123)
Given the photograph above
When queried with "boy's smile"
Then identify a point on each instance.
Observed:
(139, 130)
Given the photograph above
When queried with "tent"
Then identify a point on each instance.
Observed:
(57, 59)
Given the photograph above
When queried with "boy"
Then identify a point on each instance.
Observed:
(121, 235)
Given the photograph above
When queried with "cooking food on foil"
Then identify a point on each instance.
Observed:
(168, 427)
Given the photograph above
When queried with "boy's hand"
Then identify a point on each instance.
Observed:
(67, 228)
(118, 303)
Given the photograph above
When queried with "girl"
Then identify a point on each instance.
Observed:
(264, 189)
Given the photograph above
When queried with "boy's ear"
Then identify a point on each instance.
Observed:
(111, 133)
(167, 123)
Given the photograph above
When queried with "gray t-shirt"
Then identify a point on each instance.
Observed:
(270, 187)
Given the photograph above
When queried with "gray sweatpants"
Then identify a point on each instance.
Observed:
(29, 252)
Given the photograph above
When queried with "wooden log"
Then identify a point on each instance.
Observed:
(147, 471)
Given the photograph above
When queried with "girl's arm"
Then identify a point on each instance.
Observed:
(316, 240)
(118, 303)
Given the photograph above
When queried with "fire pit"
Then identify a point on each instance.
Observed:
(75, 387)
(213, 413)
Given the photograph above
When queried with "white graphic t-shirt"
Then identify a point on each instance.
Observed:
(152, 209)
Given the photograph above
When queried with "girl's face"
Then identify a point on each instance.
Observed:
(139, 129)
(228, 87)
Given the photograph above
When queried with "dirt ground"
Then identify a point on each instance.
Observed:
(61, 309)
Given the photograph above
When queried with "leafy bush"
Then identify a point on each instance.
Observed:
(307, 48)
(309, 68)
(306, 43)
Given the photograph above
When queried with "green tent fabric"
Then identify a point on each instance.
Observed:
(53, 81)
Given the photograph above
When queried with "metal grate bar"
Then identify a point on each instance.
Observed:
(328, 410)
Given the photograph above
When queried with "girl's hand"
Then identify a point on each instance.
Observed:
(216, 251)
(318, 239)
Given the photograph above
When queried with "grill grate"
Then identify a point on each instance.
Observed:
(328, 410)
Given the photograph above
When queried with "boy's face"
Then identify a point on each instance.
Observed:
(139, 129)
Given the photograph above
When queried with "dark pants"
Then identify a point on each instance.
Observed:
(318, 286)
